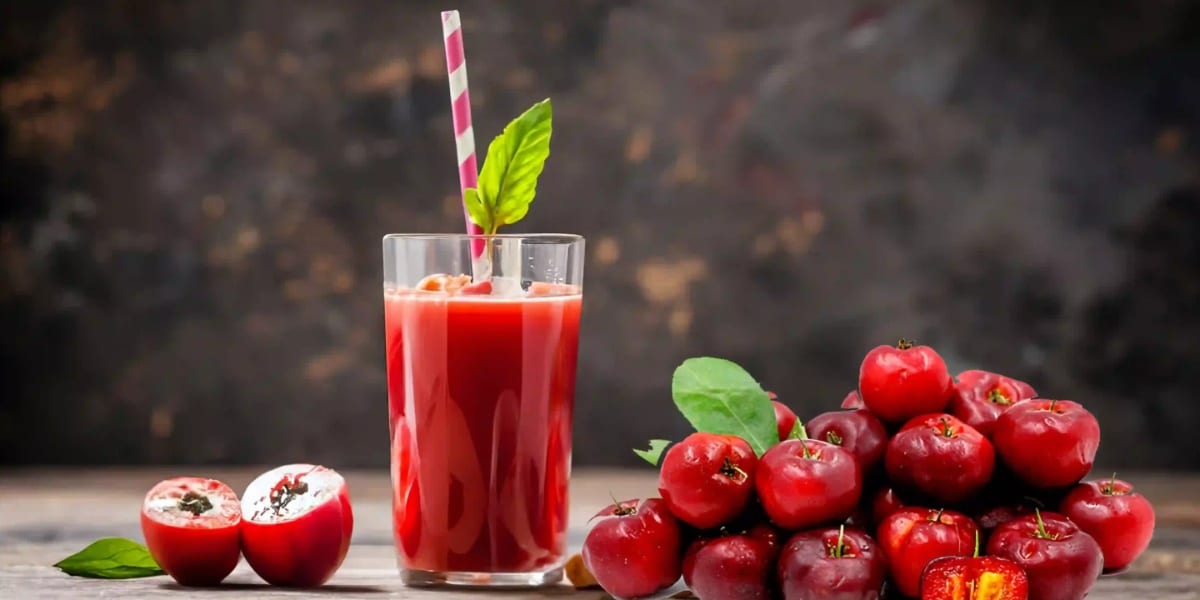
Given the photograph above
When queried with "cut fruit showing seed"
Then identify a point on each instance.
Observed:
(296, 524)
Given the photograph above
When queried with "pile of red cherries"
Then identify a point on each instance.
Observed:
(923, 486)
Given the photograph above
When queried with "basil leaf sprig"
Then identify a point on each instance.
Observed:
(111, 558)
(508, 179)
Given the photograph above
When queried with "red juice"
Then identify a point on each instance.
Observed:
(480, 394)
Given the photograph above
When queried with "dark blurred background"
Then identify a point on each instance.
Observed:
(192, 195)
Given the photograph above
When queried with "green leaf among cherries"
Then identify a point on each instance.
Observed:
(654, 454)
(111, 558)
(797, 432)
(718, 396)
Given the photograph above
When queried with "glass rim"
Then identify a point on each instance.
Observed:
(565, 238)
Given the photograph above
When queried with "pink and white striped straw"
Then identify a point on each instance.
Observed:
(460, 108)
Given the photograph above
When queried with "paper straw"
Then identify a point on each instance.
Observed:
(460, 110)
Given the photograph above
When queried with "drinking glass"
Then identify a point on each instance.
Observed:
(481, 389)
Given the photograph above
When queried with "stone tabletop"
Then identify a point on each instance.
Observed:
(48, 514)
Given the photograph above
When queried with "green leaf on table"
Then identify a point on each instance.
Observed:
(718, 396)
(654, 454)
(111, 558)
(515, 158)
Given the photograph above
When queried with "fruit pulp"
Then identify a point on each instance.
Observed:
(480, 392)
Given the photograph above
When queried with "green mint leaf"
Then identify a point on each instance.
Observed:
(653, 455)
(508, 179)
(718, 396)
(111, 558)
(478, 210)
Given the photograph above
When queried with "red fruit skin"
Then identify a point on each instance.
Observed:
(974, 578)
(852, 400)
(734, 567)
(799, 490)
(897, 384)
(990, 519)
(980, 397)
(1119, 519)
(913, 537)
(1062, 566)
(785, 419)
(976, 377)
(634, 554)
(940, 457)
(302, 551)
(808, 569)
(200, 550)
(766, 533)
(885, 502)
(1047, 443)
(858, 431)
(707, 478)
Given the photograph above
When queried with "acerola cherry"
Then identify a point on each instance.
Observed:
(1120, 520)
(802, 483)
(785, 419)
(913, 537)
(835, 563)
(707, 478)
(940, 457)
(858, 431)
(191, 528)
(1014, 389)
(1047, 443)
(647, 532)
(979, 397)
(733, 567)
(1062, 561)
(901, 382)
(297, 522)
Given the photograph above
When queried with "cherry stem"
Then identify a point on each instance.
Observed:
(833, 438)
(904, 344)
(195, 503)
(1111, 488)
(1053, 404)
(732, 471)
(946, 431)
(976, 555)
(840, 549)
(1041, 525)
(997, 397)
(618, 509)
(807, 452)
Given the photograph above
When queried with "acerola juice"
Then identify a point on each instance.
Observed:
(480, 392)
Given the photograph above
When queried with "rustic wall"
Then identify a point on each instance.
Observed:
(193, 194)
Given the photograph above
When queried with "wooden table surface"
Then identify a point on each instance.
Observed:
(46, 515)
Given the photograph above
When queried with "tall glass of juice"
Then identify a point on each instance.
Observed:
(482, 339)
